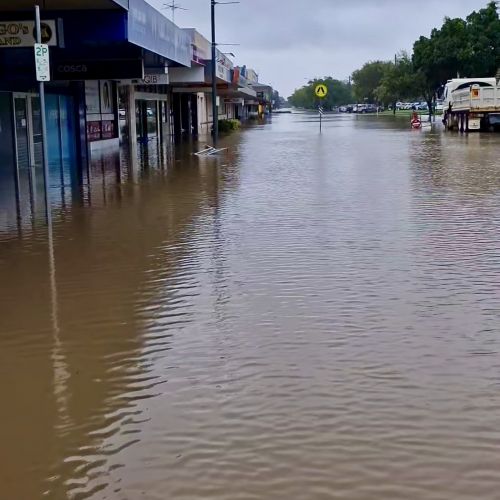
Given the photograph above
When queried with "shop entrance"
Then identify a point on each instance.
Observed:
(61, 143)
(152, 120)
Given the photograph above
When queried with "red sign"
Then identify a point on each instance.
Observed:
(236, 76)
(93, 131)
(108, 129)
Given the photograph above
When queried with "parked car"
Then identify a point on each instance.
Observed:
(343, 109)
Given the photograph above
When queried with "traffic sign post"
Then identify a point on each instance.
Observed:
(42, 64)
(321, 91)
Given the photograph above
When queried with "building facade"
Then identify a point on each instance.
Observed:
(122, 75)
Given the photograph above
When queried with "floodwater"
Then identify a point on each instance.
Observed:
(307, 317)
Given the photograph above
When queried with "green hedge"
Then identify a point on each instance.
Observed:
(229, 125)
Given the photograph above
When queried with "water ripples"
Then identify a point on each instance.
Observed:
(310, 317)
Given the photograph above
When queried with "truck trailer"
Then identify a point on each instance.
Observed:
(471, 104)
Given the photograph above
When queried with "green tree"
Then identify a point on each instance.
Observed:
(468, 48)
(440, 57)
(339, 93)
(483, 51)
(367, 79)
(398, 83)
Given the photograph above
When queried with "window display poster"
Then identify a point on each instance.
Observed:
(94, 131)
(108, 129)
(107, 104)
(92, 97)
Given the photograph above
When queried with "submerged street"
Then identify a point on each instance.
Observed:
(306, 316)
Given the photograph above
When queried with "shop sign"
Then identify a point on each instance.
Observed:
(14, 34)
(109, 69)
(201, 48)
(155, 80)
(108, 129)
(224, 67)
(251, 76)
(150, 30)
(234, 101)
(94, 131)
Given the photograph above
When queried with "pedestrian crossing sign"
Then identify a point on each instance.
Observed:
(321, 90)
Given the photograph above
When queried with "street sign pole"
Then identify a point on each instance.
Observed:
(215, 110)
(48, 214)
(321, 91)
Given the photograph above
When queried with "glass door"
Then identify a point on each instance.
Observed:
(36, 130)
(22, 135)
(24, 151)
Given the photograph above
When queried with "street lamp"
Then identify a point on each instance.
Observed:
(215, 114)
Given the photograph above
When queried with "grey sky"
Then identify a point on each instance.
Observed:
(290, 41)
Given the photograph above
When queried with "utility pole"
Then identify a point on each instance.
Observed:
(215, 114)
(46, 176)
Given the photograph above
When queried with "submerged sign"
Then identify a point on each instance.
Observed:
(23, 33)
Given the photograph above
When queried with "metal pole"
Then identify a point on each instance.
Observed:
(320, 122)
(44, 127)
(215, 117)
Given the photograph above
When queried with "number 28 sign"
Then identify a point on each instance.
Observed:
(42, 62)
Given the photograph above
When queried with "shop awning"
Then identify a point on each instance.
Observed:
(24, 5)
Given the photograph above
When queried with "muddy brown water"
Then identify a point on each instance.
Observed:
(308, 317)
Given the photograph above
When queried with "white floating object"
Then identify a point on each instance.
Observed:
(210, 151)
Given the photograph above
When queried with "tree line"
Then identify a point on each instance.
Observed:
(467, 47)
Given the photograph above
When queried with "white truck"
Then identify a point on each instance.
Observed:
(471, 104)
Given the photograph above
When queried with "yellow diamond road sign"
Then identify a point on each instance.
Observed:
(321, 90)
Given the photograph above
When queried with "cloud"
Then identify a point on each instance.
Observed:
(290, 41)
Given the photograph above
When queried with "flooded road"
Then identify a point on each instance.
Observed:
(309, 317)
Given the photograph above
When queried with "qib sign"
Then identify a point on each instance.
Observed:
(23, 33)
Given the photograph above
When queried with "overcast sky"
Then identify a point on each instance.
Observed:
(291, 41)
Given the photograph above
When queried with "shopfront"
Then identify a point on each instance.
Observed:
(21, 167)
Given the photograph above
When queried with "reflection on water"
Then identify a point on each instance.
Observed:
(309, 316)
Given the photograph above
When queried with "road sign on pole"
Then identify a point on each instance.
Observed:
(42, 62)
(321, 90)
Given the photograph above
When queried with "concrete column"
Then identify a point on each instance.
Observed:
(190, 116)
(132, 131)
